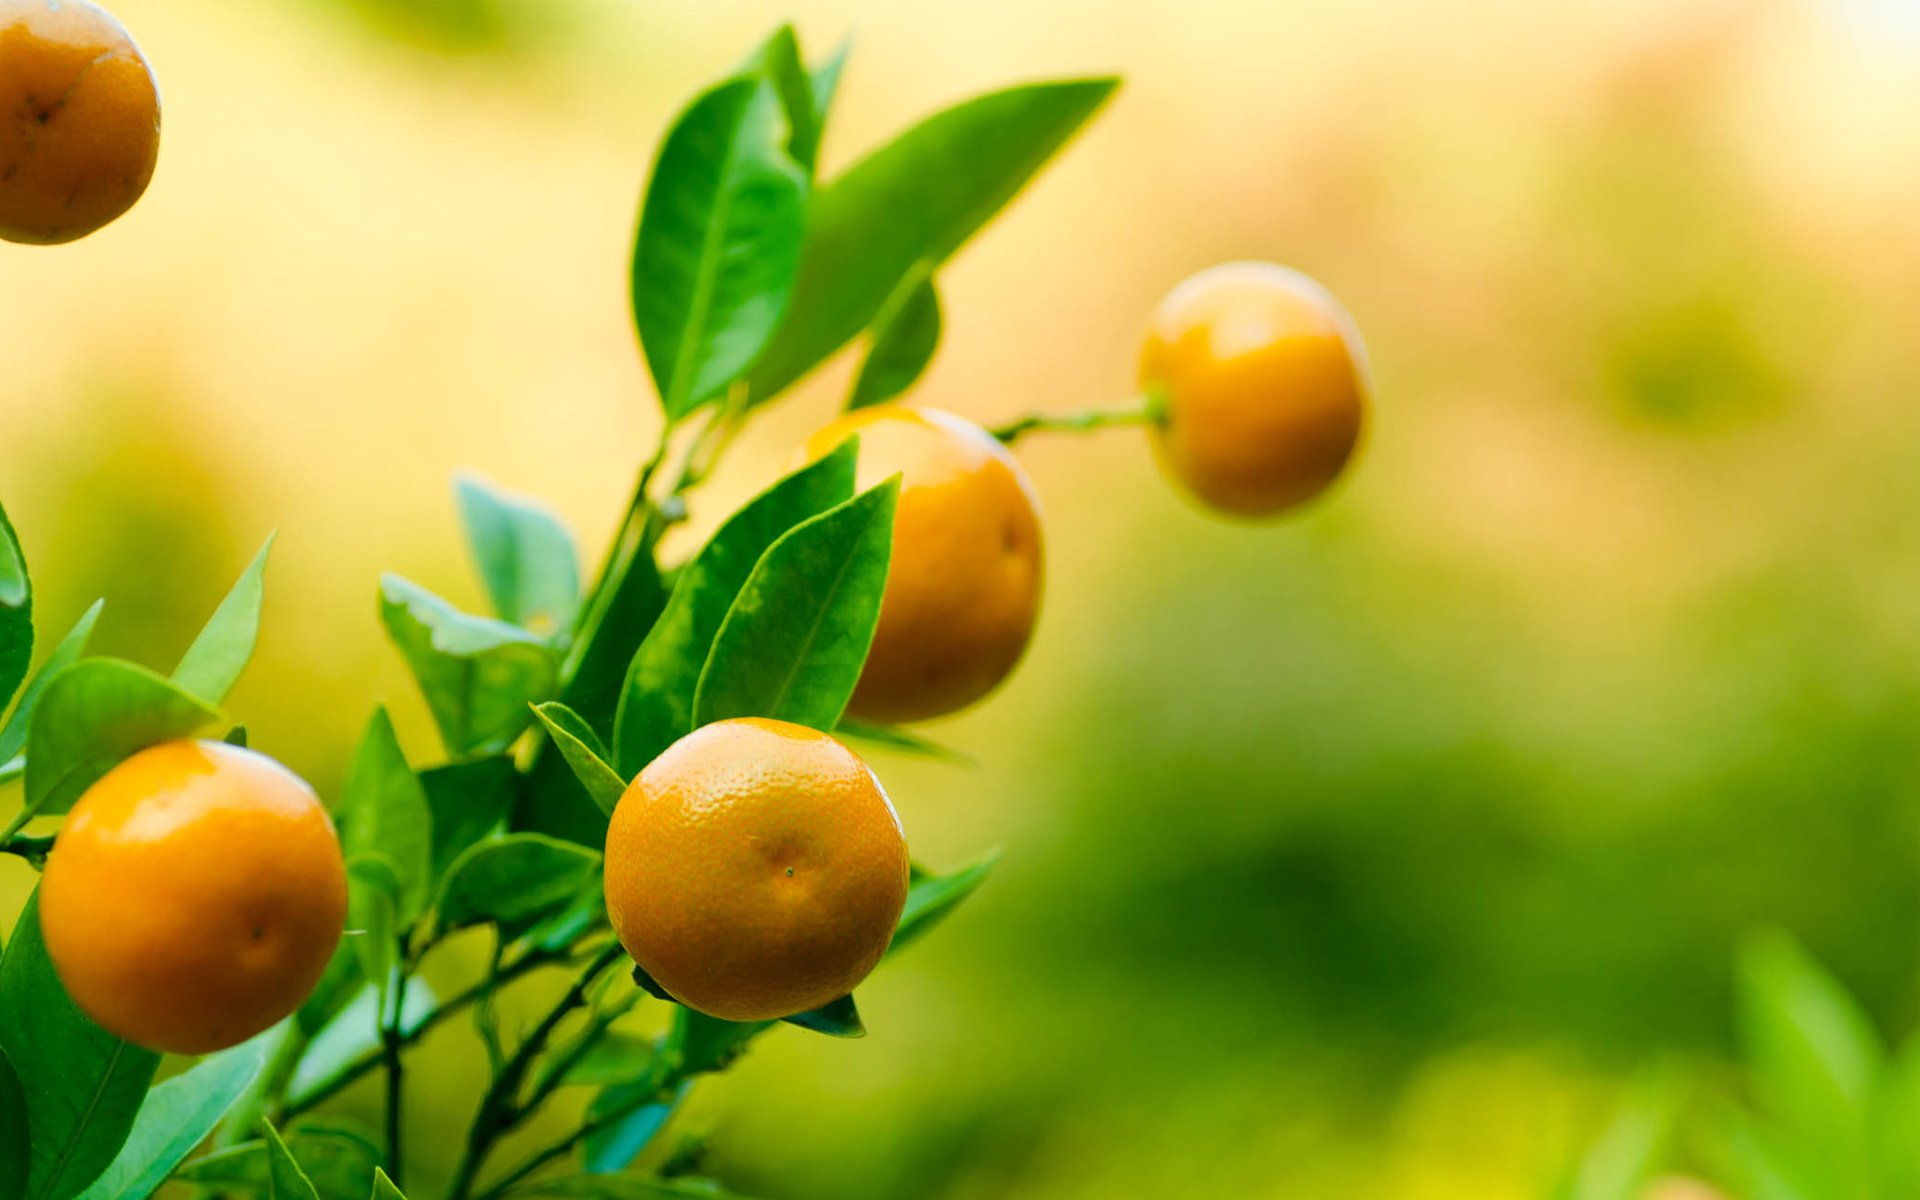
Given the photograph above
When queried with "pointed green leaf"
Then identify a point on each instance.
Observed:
(525, 557)
(719, 242)
(176, 1117)
(584, 753)
(930, 898)
(83, 1086)
(1814, 1055)
(778, 61)
(339, 1162)
(212, 665)
(478, 675)
(383, 1188)
(905, 335)
(656, 707)
(285, 1179)
(916, 199)
(905, 741)
(383, 811)
(612, 1149)
(13, 736)
(839, 1019)
(92, 715)
(825, 83)
(794, 641)
(14, 1148)
(16, 613)
(513, 879)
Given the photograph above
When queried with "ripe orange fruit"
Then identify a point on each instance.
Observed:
(193, 897)
(756, 870)
(963, 589)
(1263, 381)
(79, 120)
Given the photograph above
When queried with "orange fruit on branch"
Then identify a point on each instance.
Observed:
(1261, 381)
(963, 588)
(193, 897)
(756, 870)
(79, 120)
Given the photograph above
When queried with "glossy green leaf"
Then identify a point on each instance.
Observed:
(794, 641)
(477, 674)
(468, 801)
(896, 738)
(285, 1179)
(525, 557)
(16, 613)
(1813, 1054)
(94, 714)
(905, 335)
(13, 736)
(778, 61)
(373, 920)
(839, 1019)
(581, 749)
(83, 1086)
(612, 1149)
(915, 200)
(719, 242)
(514, 878)
(383, 1188)
(176, 1116)
(338, 1161)
(353, 1032)
(213, 664)
(614, 1058)
(383, 811)
(930, 898)
(656, 707)
(703, 1044)
(14, 1149)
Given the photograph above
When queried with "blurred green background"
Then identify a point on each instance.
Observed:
(1362, 855)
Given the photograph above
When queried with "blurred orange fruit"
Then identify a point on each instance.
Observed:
(756, 870)
(963, 589)
(79, 120)
(193, 897)
(1262, 381)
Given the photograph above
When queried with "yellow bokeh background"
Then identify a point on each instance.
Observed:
(1363, 854)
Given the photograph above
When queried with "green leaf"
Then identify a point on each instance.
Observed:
(656, 706)
(383, 1188)
(581, 748)
(825, 82)
(13, 736)
(930, 898)
(915, 200)
(176, 1117)
(905, 335)
(16, 612)
(477, 674)
(893, 737)
(92, 715)
(1813, 1054)
(285, 1179)
(719, 242)
(335, 989)
(383, 811)
(1772, 1167)
(794, 641)
(1620, 1164)
(83, 1086)
(525, 557)
(1896, 1114)
(839, 1019)
(778, 61)
(212, 665)
(614, 1058)
(703, 1044)
(353, 1032)
(14, 1148)
(613, 1149)
(373, 922)
(512, 879)
(339, 1162)
(468, 800)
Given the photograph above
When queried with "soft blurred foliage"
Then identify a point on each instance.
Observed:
(1361, 855)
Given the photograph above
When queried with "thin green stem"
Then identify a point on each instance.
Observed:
(670, 1080)
(392, 1041)
(1146, 409)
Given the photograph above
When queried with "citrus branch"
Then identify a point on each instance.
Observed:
(1145, 409)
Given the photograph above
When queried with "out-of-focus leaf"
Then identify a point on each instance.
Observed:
(353, 1032)
(1771, 1167)
(383, 812)
(16, 613)
(632, 1187)
(915, 200)
(514, 878)
(612, 1149)
(373, 922)
(825, 83)
(525, 557)
(614, 1058)
(213, 664)
(905, 335)
(583, 752)
(719, 242)
(1627, 1154)
(335, 989)
(656, 706)
(794, 641)
(478, 674)
(930, 898)
(83, 1086)
(467, 800)
(1813, 1054)
(893, 737)
(13, 736)
(94, 714)
(1896, 1115)
(778, 61)
(176, 1117)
